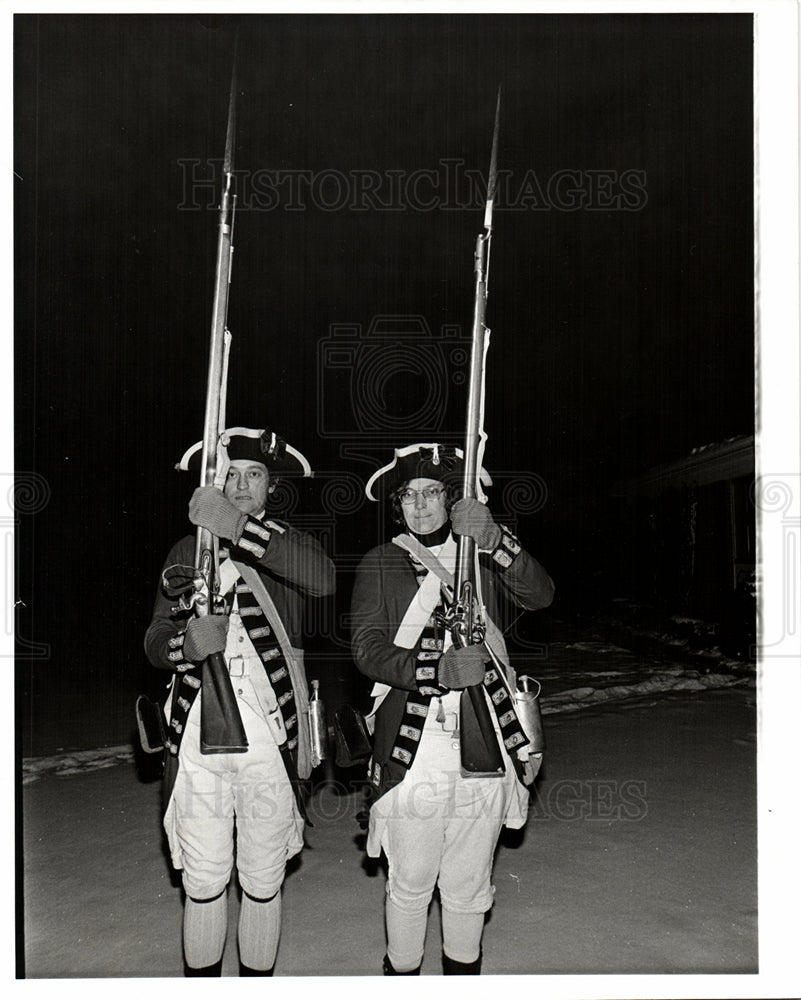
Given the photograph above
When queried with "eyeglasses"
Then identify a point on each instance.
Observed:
(428, 492)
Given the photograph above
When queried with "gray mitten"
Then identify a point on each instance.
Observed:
(461, 668)
(204, 636)
(471, 517)
(215, 512)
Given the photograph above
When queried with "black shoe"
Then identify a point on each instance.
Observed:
(245, 970)
(207, 970)
(389, 971)
(450, 967)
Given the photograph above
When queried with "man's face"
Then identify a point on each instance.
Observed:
(424, 515)
(247, 485)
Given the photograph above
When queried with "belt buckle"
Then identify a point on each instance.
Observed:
(236, 666)
(450, 723)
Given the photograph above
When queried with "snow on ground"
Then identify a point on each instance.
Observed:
(639, 856)
(575, 676)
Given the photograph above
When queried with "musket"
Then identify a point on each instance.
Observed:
(221, 727)
(480, 753)
(222, 730)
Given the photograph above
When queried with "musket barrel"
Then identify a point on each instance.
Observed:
(466, 548)
(216, 367)
(217, 347)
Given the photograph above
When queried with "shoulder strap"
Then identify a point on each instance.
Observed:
(424, 556)
(297, 671)
(494, 637)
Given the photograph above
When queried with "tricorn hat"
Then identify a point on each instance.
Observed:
(263, 446)
(443, 463)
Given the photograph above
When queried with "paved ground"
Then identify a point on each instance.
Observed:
(640, 855)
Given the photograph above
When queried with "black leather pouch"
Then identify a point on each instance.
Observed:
(150, 722)
(353, 743)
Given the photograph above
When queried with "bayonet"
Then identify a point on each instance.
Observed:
(492, 179)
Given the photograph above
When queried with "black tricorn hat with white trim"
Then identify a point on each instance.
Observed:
(443, 463)
(263, 446)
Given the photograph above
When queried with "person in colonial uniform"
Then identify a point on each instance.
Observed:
(437, 827)
(238, 807)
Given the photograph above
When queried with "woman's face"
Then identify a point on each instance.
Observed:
(424, 514)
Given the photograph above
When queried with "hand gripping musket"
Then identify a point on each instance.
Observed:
(480, 751)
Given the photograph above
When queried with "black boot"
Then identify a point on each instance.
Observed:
(389, 971)
(207, 970)
(450, 967)
(245, 970)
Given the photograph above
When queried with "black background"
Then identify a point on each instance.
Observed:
(622, 334)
